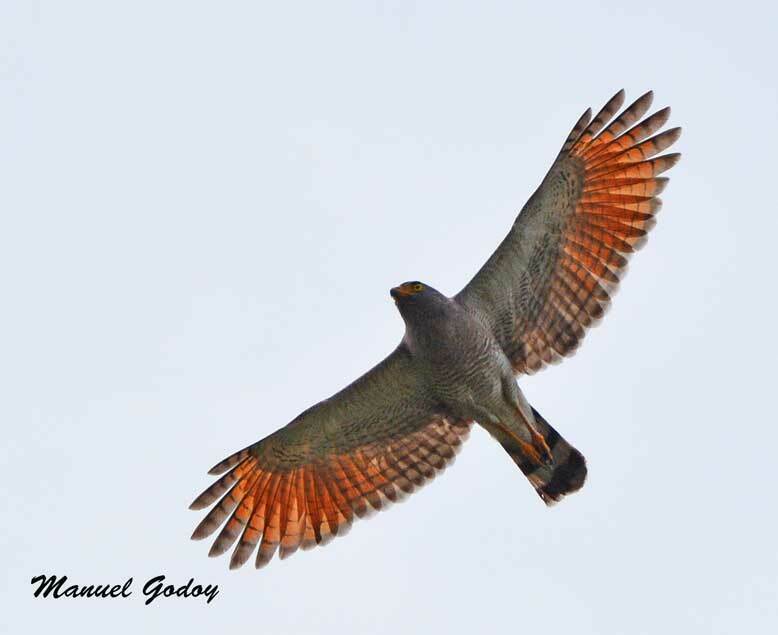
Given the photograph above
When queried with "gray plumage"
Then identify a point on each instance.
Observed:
(401, 423)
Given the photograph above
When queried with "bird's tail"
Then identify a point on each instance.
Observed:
(552, 482)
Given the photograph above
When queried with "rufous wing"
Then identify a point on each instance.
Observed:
(555, 273)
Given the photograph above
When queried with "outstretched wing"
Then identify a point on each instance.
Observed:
(556, 270)
(370, 444)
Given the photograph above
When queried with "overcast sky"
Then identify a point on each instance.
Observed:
(203, 208)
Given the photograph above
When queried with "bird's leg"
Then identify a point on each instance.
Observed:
(541, 450)
(540, 446)
(535, 449)
(515, 423)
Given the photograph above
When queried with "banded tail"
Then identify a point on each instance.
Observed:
(552, 482)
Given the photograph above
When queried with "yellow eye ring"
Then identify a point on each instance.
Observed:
(418, 287)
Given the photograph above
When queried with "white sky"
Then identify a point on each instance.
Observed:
(203, 208)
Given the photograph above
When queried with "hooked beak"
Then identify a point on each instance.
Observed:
(403, 291)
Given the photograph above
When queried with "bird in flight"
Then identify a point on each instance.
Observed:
(397, 426)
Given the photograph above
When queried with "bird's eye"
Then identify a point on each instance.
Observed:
(418, 287)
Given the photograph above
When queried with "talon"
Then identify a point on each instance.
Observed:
(542, 448)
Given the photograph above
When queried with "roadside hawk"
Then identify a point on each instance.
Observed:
(401, 423)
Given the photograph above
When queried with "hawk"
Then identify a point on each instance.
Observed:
(397, 426)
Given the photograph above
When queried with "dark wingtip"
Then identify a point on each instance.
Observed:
(647, 96)
(198, 503)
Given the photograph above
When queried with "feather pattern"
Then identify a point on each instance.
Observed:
(401, 423)
(373, 443)
(556, 271)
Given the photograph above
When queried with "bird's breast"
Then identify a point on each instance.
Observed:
(462, 362)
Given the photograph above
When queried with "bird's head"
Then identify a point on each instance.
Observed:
(416, 298)
(412, 291)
